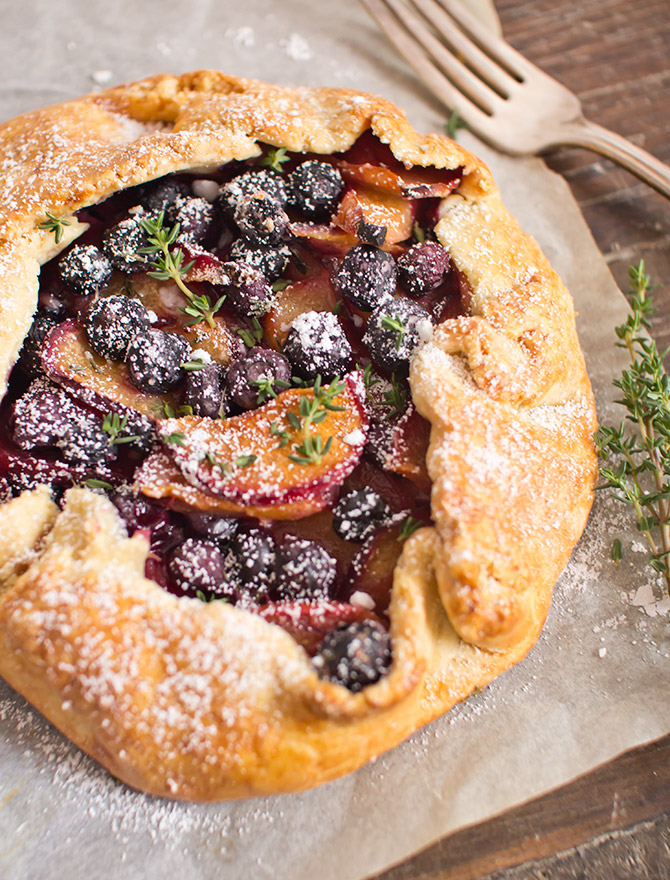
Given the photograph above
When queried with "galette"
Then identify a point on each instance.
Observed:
(296, 430)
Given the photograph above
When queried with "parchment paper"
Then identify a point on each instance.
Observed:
(596, 683)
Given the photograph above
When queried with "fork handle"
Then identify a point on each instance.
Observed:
(634, 159)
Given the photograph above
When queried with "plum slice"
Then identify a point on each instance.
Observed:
(401, 445)
(379, 207)
(409, 183)
(372, 568)
(159, 477)
(314, 294)
(251, 458)
(310, 622)
(96, 381)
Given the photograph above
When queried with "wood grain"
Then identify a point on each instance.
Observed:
(614, 823)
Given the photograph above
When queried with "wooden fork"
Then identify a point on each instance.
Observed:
(509, 102)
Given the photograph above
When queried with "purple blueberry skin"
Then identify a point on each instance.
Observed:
(111, 323)
(354, 655)
(316, 345)
(358, 514)
(270, 261)
(423, 267)
(366, 277)
(196, 218)
(257, 364)
(122, 244)
(389, 349)
(216, 528)
(305, 570)
(204, 392)
(30, 360)
(252, 564)
(315, 189)
(155, 358)
(85, 269)
(161, 194)
(247, 292)
(198, 565)
(262, 220)
(245, 185)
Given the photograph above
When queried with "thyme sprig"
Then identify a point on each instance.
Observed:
(636, 463)
(396, 397)
(56, 225)
(397, 327)
(168, 264)
(266, 387)
(312, 411)
(113, 425)
(454, 124)
(275, 158)
(251, 337)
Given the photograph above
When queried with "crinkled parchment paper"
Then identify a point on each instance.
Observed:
(595, 684)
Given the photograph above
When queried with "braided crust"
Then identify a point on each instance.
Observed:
(206, 701)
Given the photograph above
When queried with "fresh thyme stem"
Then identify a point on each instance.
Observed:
(637, 464)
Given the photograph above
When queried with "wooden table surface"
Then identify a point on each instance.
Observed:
(614, 823)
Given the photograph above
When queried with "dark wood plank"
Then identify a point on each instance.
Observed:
(615, 54)
(632, 791)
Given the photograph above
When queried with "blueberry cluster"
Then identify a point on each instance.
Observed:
(245, 564)
(119, 328)
(46, 416)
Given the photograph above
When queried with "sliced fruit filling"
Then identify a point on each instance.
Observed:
(226, 357)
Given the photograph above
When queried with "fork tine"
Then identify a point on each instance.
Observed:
(497, 77)
(455, 70)
(491, 44)
(426, 70)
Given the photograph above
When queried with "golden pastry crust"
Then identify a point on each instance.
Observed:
(206, 701)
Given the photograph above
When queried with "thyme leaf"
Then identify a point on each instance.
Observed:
(56, 225)
(635, 453)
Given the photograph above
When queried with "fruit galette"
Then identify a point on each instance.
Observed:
(296, 430)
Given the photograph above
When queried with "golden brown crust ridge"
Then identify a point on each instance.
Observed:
(199, 701)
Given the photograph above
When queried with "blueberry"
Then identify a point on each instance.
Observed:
(354, 655)
(256, 376)
(30, 359)
(394, 330)
(141, 429)
(160, 195)
(316, 345)
(41, 415)
(204, 392)
(261, 220)
(315, 189)
(111, 323)
(358, 514)
(366, 277)
(371, 233)
(216, 528)
(305, 570)
(252, 563)
(195, 217)
(85, 269)
(136, 512)
(84, 441)
(247, 290)
(122, 243)
(199, 566)
(423, 267)
(244, 185)
(271, 261)
(155, 359)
